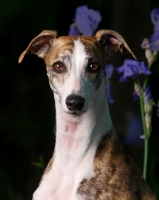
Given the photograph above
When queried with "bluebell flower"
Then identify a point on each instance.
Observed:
(150, 49)
(155, 36)
(145, 43)
(153, 42)
(155, 16)
(154, 39)
(132, 69)
(73, 30)
(86, 21)
(109, 71)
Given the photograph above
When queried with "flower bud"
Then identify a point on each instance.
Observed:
(148, 107)
(138, 89)
(148, 123)
(148, 100)
(151, 56)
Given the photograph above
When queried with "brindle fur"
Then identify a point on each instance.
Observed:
(116, 176)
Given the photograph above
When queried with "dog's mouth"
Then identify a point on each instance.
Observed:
(75, 113)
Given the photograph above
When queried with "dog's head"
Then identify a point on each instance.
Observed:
(75, 65)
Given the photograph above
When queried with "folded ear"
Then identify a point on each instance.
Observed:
(112, 42)
(40, 45)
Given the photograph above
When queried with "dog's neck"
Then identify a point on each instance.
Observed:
(78, 135)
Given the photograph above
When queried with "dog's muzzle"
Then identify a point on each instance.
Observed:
(75, 103)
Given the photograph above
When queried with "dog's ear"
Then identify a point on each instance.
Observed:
(112, 42)
(40, 45)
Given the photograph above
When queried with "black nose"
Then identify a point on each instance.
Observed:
(75, 102)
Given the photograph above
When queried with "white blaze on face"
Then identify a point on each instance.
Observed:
(78, 57)
(76, 82)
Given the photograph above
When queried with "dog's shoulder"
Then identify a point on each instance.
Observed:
(116, 176)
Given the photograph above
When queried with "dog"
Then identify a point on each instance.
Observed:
(89, 162)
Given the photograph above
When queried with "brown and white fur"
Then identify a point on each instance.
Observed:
(89, 162)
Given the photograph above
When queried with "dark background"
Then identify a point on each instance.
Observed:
(27, 112)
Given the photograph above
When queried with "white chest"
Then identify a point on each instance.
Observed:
(62, 182)
(77, 140)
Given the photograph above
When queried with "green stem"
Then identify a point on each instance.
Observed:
(145, 139)
(145, 82)
(146, 78)
(146, 131)
(146, 146)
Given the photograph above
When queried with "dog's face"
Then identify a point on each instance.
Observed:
(75, 65)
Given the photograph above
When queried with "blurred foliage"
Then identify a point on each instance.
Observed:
(27, 113)
(39, 163)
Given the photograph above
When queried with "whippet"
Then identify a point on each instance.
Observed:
(89, 162)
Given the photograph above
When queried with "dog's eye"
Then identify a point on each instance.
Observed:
(58, 67)
(93, 67)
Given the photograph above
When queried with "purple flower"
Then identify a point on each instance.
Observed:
(86, 21)
(73, 30)
(109, 71)
(132, 69)
(155, 36)
(150, 49)
(153, 42)
(145, 43)
(154, 39)
(155, 16)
